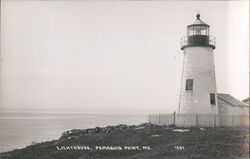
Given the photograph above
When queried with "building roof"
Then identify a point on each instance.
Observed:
(230, 99)
(245, 100)
(198, 21)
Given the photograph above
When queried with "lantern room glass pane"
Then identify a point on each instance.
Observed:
(198, 30)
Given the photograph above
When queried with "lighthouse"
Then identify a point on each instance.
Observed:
(198, 84)
(199, 102)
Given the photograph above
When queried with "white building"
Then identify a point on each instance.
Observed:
(198, 85)
(228, 105)
(232, 111)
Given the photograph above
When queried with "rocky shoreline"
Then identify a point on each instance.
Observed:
(76, 133)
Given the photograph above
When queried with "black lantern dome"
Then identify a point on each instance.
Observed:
(198, 35)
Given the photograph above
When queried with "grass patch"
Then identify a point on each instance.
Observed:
(164, 143)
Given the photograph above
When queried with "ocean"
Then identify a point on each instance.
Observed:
(19, 129)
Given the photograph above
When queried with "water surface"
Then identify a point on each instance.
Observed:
(21, 128)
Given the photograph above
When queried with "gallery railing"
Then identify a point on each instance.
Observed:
(198, 40)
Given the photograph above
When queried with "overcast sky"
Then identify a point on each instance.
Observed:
(113, 54)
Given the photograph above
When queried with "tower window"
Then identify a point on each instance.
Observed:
(189, 84)
(212, 98)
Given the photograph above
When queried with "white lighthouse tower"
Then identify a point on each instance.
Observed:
(198, 86)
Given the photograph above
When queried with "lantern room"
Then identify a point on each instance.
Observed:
(198, 35)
